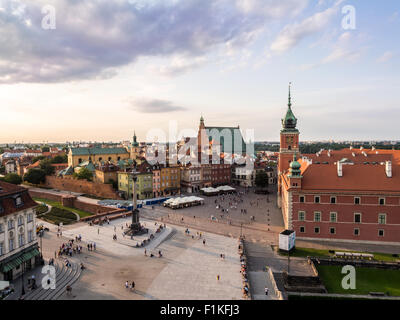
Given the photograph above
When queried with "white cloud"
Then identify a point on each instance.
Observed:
(385, 57)
(93, 38)
(293, 34)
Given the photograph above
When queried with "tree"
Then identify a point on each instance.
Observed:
(261, 179)
(13, 178)
(84, 173)
(38, 158)
(60, 159)
(46, 166)
(45, 149)
(2, 169)
(35, 176)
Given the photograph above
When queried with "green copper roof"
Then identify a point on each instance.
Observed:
(97, 151)
(290, 121)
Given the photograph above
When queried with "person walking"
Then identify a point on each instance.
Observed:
(126, 284)
(266, 291)
(133, 286)
(218, 277)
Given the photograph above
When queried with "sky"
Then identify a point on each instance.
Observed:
(99, 70)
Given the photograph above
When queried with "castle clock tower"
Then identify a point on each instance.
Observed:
(289, 144)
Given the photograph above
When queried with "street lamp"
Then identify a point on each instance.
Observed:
(23, 287)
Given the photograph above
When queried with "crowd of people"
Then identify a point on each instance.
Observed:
(243, 270)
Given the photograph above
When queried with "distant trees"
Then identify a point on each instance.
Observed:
(35, 176)
(60, 159)
(12, 178)
(84, 174)
(38, 158)
(261, 180)
(46, 149)
(46, 166)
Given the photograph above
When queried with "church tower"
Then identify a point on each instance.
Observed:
(135, 149)
(289, 144)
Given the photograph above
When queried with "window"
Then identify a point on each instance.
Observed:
(302, 216)
(20, 221)
(1, 228)
(382, 201)
(333, 217)
(332, 230)
(30, 217)
(30, 236)
(382, 218)
(317, 216)
(316, 230)
(357, 217)
(357, 200)
(1, 248)
(21, 240)
(18, 201)
(333, 200)
(381, 233)
(302, 229)
(316, 199)
(356, 232)
(10, 224)
(10, 244)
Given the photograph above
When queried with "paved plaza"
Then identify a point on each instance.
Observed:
(187, 270)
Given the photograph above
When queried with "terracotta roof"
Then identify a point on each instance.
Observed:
(8, 193)
(380, 155)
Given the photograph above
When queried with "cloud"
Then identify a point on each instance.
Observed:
(154, 106)
(179, 65)
(292, 34)
(93, 38)
(346, 48)
(385, 57)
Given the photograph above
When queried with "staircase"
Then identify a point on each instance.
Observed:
(64, 276)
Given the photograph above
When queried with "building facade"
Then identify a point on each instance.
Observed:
(18, 244)
(97, 156)
(342, 195)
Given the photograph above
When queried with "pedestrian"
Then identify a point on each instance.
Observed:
(126, 284)
(98, 230)
(94, 246)
(204, 242)
(133, 285)
(218, 277)
(266, 291)
(145, 252)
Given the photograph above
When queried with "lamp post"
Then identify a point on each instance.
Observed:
(41, 245)
(23, 287)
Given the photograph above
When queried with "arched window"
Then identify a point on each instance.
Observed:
(79, 160)
(109, 158)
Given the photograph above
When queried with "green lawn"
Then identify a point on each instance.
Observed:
(57, 215)
(304, 252)
(367, 280)
(57, 204)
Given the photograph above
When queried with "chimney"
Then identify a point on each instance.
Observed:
(339, 169)
(388, 169)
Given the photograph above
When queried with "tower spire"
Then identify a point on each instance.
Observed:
(290, 99)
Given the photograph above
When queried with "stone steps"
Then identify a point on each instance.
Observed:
(64, 276)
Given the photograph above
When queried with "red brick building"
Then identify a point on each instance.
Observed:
(344, 195)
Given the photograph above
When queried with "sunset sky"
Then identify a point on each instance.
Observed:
(112, 67)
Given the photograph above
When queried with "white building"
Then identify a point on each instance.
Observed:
(18, 242)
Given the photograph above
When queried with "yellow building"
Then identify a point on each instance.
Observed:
(96, 155)
(170, 182)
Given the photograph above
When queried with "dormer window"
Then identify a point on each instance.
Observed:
(18, 201)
